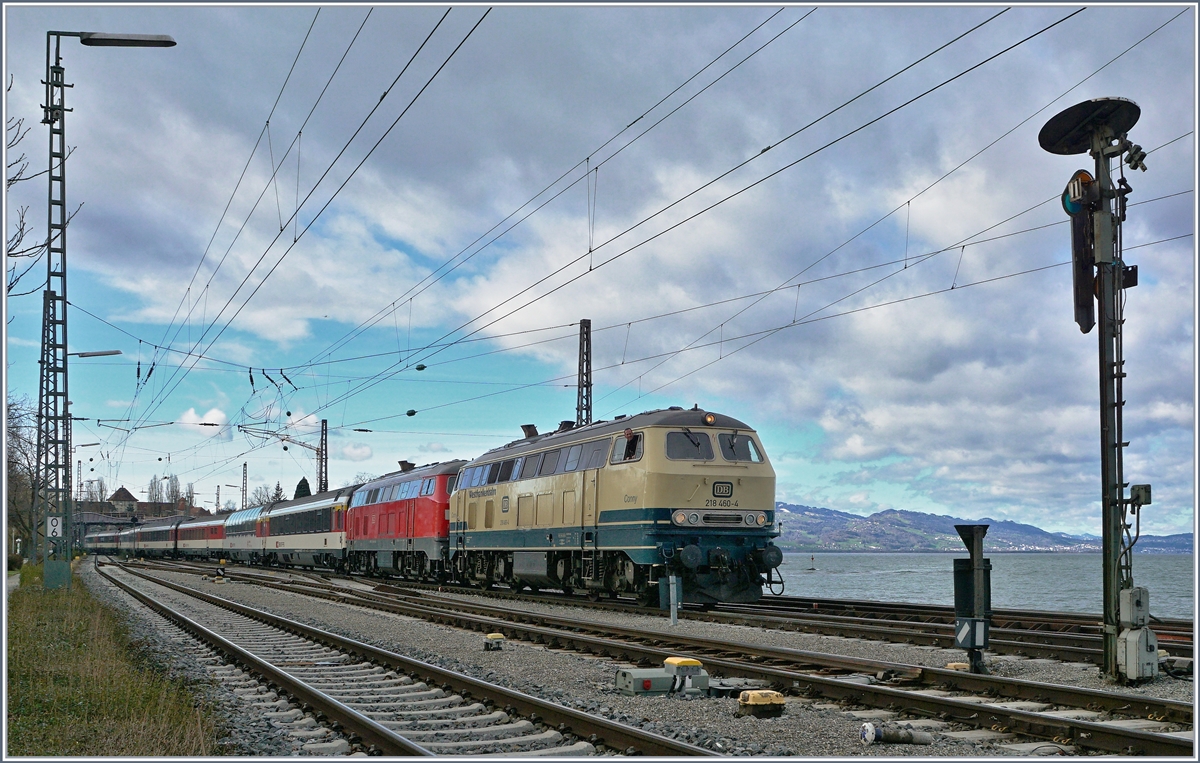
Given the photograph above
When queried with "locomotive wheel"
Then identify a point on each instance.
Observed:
(593, 596)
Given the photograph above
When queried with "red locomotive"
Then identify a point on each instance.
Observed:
(399, 523)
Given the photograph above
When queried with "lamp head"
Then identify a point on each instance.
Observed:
(105, 39)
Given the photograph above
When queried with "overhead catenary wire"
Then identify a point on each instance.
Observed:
(907, 204)
(436, 275)
(240, 367)
(353, 172)
(960, 287)
(393, 369)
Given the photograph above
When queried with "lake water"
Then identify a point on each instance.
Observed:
(1057, 582)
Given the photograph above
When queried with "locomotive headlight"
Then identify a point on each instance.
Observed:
(760, 520)
(680, 518)
(709, 419)
(693, 518)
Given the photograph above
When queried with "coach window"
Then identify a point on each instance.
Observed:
(689, 446)
(627, 449)
(739, 447)
(530, 467)
(549, 462)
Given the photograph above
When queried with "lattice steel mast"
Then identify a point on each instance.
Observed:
(583, 401)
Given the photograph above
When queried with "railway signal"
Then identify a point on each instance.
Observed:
(1100, 127)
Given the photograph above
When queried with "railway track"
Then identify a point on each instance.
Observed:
(1080, 718)
(382, 702)
(1176, 633)
(1059, 636)
(1069, 637)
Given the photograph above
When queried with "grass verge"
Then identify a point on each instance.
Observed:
(77, 687)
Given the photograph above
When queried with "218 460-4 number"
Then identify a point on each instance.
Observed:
(722, 504)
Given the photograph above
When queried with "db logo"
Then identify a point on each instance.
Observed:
(722, 489)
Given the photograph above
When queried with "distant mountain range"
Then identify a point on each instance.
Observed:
(809, 528)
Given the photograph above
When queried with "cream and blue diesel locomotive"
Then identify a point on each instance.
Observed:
(618, 506)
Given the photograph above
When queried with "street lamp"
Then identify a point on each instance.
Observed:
(52, 488)
(79, 465)
(93, 354)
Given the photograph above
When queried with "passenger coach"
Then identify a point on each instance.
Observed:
(617, 506)
(308, 532)
(201, 538)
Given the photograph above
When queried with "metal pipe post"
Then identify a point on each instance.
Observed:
(1111, 478)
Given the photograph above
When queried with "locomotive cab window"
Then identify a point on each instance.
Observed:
(739, 447)
(689, 446)
(625, 450)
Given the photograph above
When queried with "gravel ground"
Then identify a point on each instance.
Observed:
(245, 732)
(587, 682)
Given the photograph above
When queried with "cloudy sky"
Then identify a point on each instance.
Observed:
(315, 202)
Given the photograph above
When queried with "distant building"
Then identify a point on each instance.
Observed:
(123, 504)
(123, 501)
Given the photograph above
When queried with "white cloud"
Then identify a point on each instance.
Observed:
(355, 452)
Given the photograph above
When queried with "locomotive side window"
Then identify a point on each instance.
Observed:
(530, 468)
(493, 473)
(549, 462)
(572, 458)
(689, 446)
(506, 470)
(594, 456)
(427, 486)
(450, 483)
(626, 450)
(739, 447)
